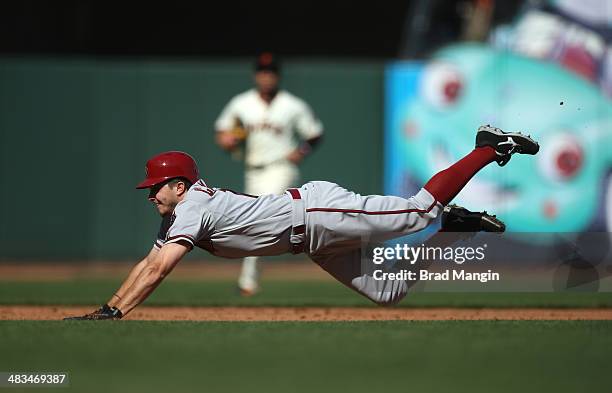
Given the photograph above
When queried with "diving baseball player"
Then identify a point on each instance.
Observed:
(267, 120)
(321, 219)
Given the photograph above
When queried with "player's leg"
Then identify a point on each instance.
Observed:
(351, 270)
(355, 268)
(338, 220)
(248, 280)
(457, 224)
(492, 144)
(273, 179)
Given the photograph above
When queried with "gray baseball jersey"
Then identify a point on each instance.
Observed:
(230, 224)
(322, 219)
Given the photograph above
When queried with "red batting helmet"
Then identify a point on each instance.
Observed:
(169, 165)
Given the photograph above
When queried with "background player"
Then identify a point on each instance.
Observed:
(268, 121)
(322, 219)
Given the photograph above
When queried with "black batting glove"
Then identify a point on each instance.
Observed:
(104, 312)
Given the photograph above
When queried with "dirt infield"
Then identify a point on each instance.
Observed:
(309, 314)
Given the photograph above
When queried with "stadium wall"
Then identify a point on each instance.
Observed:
(75, 135)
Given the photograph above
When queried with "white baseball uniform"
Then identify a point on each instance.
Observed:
(322, 219)
(272, 129)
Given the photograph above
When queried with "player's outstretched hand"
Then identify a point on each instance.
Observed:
(104, 312)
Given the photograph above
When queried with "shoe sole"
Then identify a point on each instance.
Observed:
(493, 224)
(488, 223)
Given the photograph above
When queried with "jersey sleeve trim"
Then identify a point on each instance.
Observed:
(158, 244)
(179, 238)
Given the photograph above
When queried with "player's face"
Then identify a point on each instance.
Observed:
(164, 198)
(266, 81)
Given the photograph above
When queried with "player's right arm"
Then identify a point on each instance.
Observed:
(134, 273)
(106, 309)
(146, 261)
(227, 127)
(227, 140)
(152, 274)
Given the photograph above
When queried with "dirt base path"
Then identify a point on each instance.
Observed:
(309, 313)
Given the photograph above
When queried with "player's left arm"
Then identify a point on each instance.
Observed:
(310, 130)
(304, 149)
(229, 128)
(152, 275)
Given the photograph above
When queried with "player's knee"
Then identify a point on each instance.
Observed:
(387, 299)
(385, 295)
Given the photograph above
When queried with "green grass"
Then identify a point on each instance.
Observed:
(436, 356)
(278, 293)
(447, 356)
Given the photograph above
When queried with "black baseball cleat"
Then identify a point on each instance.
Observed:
(459, 219)
(505, 143)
